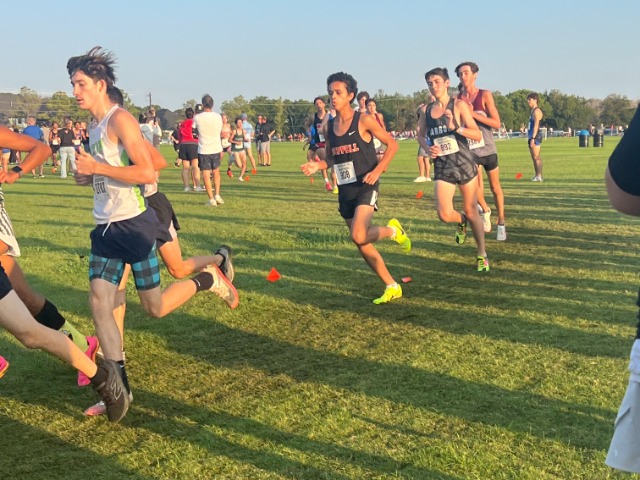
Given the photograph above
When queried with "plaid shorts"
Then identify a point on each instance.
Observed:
(146, 273)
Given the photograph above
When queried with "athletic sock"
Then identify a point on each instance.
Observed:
(395, 232)
(125, 379)
(463, 218)
(203, 281)
(393, 285)
(75, 336)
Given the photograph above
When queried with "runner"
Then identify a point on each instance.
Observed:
(17, 320)
(350, 151)
(237, 147)
(444, 127)
(126, 230)
(485, 113)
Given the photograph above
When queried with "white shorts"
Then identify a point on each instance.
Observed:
(624, 451)
(6, 233)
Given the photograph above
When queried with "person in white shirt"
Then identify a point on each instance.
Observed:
(208, 127)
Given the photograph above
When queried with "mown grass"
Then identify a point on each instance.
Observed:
(516, 374)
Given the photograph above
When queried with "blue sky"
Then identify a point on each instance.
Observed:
(179, 50)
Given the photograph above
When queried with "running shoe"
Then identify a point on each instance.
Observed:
(218, 199)
(501, 236)
(229, 173)
(483, 264)
(486, 219)
(222, 286)
(92, 349)
(100, 408)
(187, 189)
(420, 179)
(461, 233)
(226, 267)
(328, 186)
(113, 392)
(390, 293)
(240, 179)
(4, 366)
(335, 190)
(200, 188)
(211, 203)
(400, 236)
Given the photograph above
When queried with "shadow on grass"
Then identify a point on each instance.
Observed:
(29, 453)
(202, 434)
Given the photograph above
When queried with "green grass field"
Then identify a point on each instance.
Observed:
(515, 374)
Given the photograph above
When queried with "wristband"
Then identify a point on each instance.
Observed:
(460, 130)
(17, 170)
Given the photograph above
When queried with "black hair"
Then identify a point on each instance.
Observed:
(188, 112)
(473, 66)
(207, 101)
(441, 72)
(97, 64)
(115, 95)
(318, 98)
(348, 80)
(533, 95)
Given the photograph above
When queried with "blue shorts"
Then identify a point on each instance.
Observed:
(209, 161)
(146, 273)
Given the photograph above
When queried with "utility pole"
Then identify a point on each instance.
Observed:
(149, 99)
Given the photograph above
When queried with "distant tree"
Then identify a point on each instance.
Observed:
(189, 104)
(61, 105)
(506, 111)
(28, 102)
(616, 110)
(236, 107)
(569, 111)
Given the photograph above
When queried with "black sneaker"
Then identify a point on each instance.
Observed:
(113, 392)
(226, 267)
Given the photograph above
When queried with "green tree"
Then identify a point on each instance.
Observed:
(61, 105)
(236, 107)
(506, 111)
(28, 102)
(616, 110)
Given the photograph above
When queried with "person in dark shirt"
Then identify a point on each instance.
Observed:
(622, 178)
(350, 151)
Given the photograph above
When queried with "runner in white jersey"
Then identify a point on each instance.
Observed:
(126, 230)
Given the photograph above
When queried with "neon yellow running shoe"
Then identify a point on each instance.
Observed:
(483, 264)
(461, 233)
(400, 237)
(390, 293)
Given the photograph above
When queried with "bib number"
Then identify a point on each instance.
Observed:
(99, 185)
(448, 145)
(346, 173)
(473, 144)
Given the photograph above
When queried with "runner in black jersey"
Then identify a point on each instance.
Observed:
(443, 130)
(349, 146)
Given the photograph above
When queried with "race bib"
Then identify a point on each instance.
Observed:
(473, 144)
(345, 173)
(99, 185)
(55, 141)
(225, 143)
(448, 145)
(321, 137)
(75, 141)
(376, 143)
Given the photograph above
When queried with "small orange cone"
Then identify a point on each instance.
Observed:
(419, 194)
(518, 176)
(311, 180)
(254, 171)
(406, 279)
(246, 179)
(273, 276)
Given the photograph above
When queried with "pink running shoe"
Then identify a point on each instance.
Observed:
(4, 366)
(83, 380)
(328, 187)
(95, 410)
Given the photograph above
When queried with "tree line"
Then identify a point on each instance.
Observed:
(561, 111)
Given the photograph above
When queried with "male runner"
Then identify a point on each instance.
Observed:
(485, 113)
(443, 130)
(350, 152)
(126, 230)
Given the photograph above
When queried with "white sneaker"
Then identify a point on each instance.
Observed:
(200, 189)
(240, 179)
(219, 199)
(187, 189)
(501, 236)
(420, 179)
(486, 218)
(211, 203)
(428, 179)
